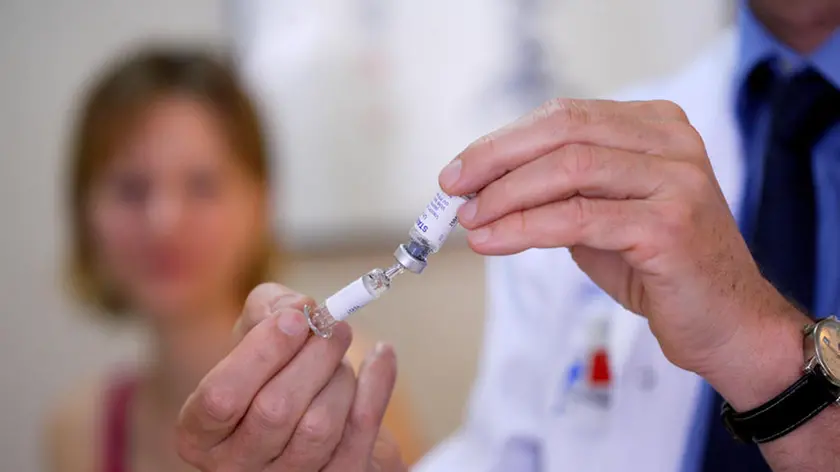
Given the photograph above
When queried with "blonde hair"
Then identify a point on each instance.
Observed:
(109, 110)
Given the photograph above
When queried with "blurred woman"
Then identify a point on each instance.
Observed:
(168, 195)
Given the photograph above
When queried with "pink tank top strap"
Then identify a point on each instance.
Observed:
(118, 396)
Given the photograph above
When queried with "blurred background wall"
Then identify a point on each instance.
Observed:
(366, 100)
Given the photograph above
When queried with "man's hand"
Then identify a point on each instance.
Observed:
(628, 187)
(284, 401)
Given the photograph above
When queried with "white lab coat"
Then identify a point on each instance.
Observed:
(538, 304)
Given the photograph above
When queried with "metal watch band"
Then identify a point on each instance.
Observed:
(803, 400)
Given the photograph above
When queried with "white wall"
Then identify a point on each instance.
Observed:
(48, 48)
(363, 147)
(601, 45)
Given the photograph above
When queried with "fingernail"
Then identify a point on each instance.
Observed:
(381, 348)
(480, 235)
(468, 211)
(292, 323)
(282, 302)
(450, 174)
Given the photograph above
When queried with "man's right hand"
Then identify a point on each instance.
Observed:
(284, 401)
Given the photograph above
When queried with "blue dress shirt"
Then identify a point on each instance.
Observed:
(756, 46)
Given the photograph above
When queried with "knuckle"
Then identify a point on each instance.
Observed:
(267, 354)
(580, 217)
(366, 419)
(496, 200)
(219, 403)
(550, 108)
(318, 427)
(345, 376)
(690, 188)
(259, 301)
(565, 110)
(517, 222)
(345, 371)
(272, 412)
(691, 139)
(580, 210)
(186, 448)
(492, 199)
(488, 140)
(582, 157)
(670, 110)
(684, 137)
(477, 151)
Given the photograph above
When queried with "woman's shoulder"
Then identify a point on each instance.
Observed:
(73, 427)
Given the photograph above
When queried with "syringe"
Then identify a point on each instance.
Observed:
(426, 237)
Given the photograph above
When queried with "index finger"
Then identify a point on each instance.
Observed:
(558, 123)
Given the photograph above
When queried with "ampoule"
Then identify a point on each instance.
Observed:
(426, 237)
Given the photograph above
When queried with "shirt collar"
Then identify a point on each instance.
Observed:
(757, 44)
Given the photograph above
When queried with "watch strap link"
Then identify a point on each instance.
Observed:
(803, 400)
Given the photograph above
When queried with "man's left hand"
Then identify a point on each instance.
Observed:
(629, 188)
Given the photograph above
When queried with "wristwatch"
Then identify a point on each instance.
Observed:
(818, 388)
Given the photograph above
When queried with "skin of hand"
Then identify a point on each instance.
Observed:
(629, 189)
(283, 400)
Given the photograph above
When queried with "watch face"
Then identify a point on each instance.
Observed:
(828, 348)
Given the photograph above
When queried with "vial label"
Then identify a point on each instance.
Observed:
(348, 300)
(439, 219)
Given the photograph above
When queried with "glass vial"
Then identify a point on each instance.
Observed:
(350, 299)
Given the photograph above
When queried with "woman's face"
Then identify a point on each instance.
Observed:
(175, 217)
